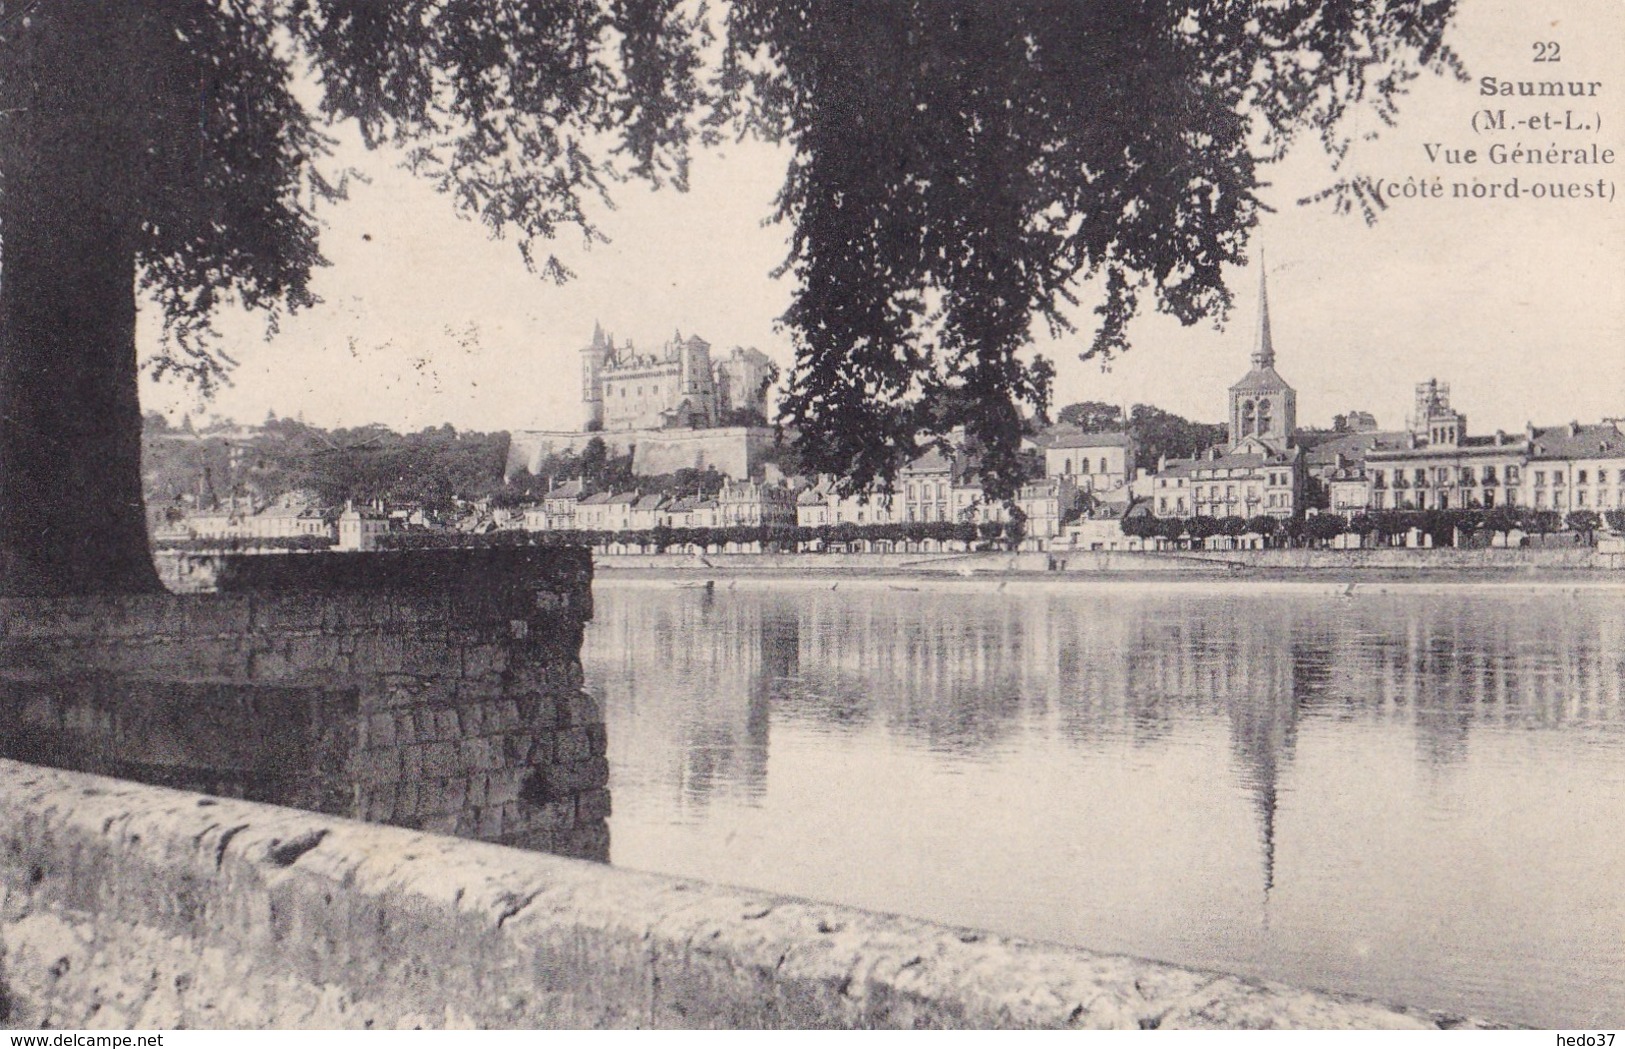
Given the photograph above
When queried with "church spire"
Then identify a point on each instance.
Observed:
(1264, 350)
(597, 334)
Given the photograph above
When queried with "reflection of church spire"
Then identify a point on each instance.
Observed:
(1265, 800)
(1264, 350)
(1263, 725)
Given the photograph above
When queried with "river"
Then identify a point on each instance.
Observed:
(1415, 796)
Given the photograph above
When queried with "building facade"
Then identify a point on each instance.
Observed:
(676, 387)
(1095, 462)
(1439, 465)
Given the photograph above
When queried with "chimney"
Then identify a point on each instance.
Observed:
(1574, 428)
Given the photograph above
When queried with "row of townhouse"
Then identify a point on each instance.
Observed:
(1248, 481)
(941, 488)
(1437, 464)
(741, 503)
(1562, 468)
(289, 516)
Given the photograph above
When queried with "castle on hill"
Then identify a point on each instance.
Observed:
(678, 387)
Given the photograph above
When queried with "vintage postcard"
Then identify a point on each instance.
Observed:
(812, 515)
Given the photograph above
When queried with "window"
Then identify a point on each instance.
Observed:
(1263, 417)
(1421, 477)
(1441, 474)
(1247, 418)
(1103, 464)
(1580, 497)
(1379, 479)
(1540, 478)
(1489, 475)
(1580, 478)
(1557, 478)
(1512, 475)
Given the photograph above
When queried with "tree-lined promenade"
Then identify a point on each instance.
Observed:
(1380, 527)
(1444, 528)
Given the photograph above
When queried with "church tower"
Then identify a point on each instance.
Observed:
(1262, 405)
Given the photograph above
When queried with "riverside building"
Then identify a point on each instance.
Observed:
(1261, 471)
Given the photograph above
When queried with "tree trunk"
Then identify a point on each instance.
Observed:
(72, 519)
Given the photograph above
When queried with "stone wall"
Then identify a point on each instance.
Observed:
(733, 450)
(136, 907)
(438, 690)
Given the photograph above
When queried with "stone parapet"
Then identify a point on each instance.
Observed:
(439, 690)
(130, 906)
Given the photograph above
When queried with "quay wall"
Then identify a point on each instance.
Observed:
(137, 907)
(436, 690)
(1549, 559)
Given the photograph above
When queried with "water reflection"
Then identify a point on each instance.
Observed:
(1367, 792)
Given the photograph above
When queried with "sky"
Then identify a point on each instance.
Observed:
(1518, 305)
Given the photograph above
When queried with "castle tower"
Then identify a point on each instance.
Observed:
(1262, 405)
(594, 357)
(695, 379)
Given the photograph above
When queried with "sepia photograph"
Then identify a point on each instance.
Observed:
(811, 514)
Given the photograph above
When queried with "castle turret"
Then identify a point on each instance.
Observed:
(594, 358)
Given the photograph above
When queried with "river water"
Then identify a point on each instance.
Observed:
(1417, 796)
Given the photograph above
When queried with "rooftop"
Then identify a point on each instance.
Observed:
(1090, 440)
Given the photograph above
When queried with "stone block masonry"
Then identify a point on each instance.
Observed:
(436, 690)
(137, 907)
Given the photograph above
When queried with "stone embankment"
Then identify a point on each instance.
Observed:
(131, 906)
(436, 690)
(1382, 562)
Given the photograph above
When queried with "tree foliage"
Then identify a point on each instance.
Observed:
(959, 168)
(167, 143)
(215, 163)
(1092, 417)
(1158, 434)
